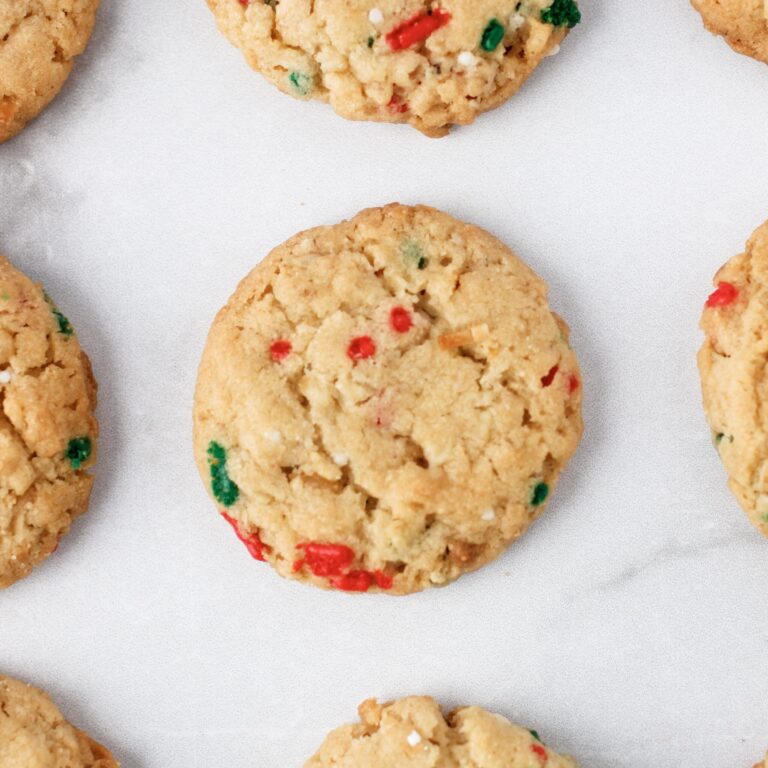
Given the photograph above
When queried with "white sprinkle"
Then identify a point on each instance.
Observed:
(467, 59)
(554, 51)
(340, 458)
(272, 435)
(489, 515)
(375, 16)
(414, 738)
(5, 377)
(516, 20)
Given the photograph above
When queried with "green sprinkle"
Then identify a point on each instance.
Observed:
(493, 34)
(79, 451)
(370, 42)
(224, 489)
(65, 327)
(562, 13)
(539, 494)
(413, 254)
(302, 83)
(719, 438)
(536, 736)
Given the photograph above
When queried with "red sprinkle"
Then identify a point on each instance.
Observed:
(383, 580)
(573, 383)
(397, 107)
(280, 349)
(253, 543)
(540, 752)
(354, 581)
(417, 29)
(725, 294)
(361, 348)
(325, 559)
(550, 377)
(400, 320)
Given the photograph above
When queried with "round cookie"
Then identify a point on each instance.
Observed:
(386, 403)
(734, 378)
(743, 23)
(39, 40)
(47, 427)
(430, 64)
(34, 734)
(414, 732)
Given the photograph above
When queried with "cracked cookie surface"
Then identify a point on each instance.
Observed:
(403, 61)
(743, 23)
(386, 403)
(39, 40)
(34, 733)
(414, 732)
(47, 427)
(734, 378)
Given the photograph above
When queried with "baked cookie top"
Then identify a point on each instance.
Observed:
(386, 403)
(743, 23)
(425, 62)
(47, 427)
(34, 734)
(38, 41)
(734, 377)
(414, 732)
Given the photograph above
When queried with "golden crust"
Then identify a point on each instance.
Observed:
(742, 23)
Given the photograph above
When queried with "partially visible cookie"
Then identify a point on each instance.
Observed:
(414, 732)
(430, 63)
(733, 362)
(743, 23)
(34, 734)
(47, 427)
(39, 40)
(386, 403)
(763, 764)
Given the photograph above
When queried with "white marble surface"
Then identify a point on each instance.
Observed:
(630, 626)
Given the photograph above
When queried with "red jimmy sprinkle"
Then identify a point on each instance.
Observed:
(397, 107)
(361, 348)
(325, 559)
(573, 383)
(725, 294)
(252, 541)
(280, 349)
(362, 581)
(417, 29)
(400, 320)
(550, 377)
(540, 752)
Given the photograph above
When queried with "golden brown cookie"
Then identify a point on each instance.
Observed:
(34, 734)
(734, 375)
(743, 23)
(39, 40)
(763, 764)
(386, 403)
(47, 427)
(414, 732)
(429, 63)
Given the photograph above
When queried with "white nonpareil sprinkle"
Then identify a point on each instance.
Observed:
(554, 51)
(467, 59)
(489, 515)
(375, 16)
(5, 376)
(340, 458)
(414, 738)
(516, 20)
(273, 435)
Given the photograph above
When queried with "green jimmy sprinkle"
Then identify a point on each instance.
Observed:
(539, 494)
(413, 254)
(562, 13)
(224, 489)
(493, 34)
(65, 326)
(536, 736)
(79, 451)
(302, 83)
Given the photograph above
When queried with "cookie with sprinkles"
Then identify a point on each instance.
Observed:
(39, 41)
(429, 63)
(47, 426)
(415, 732)
(34, 733)
(387, 403)
(734, 377)
(743, 23)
